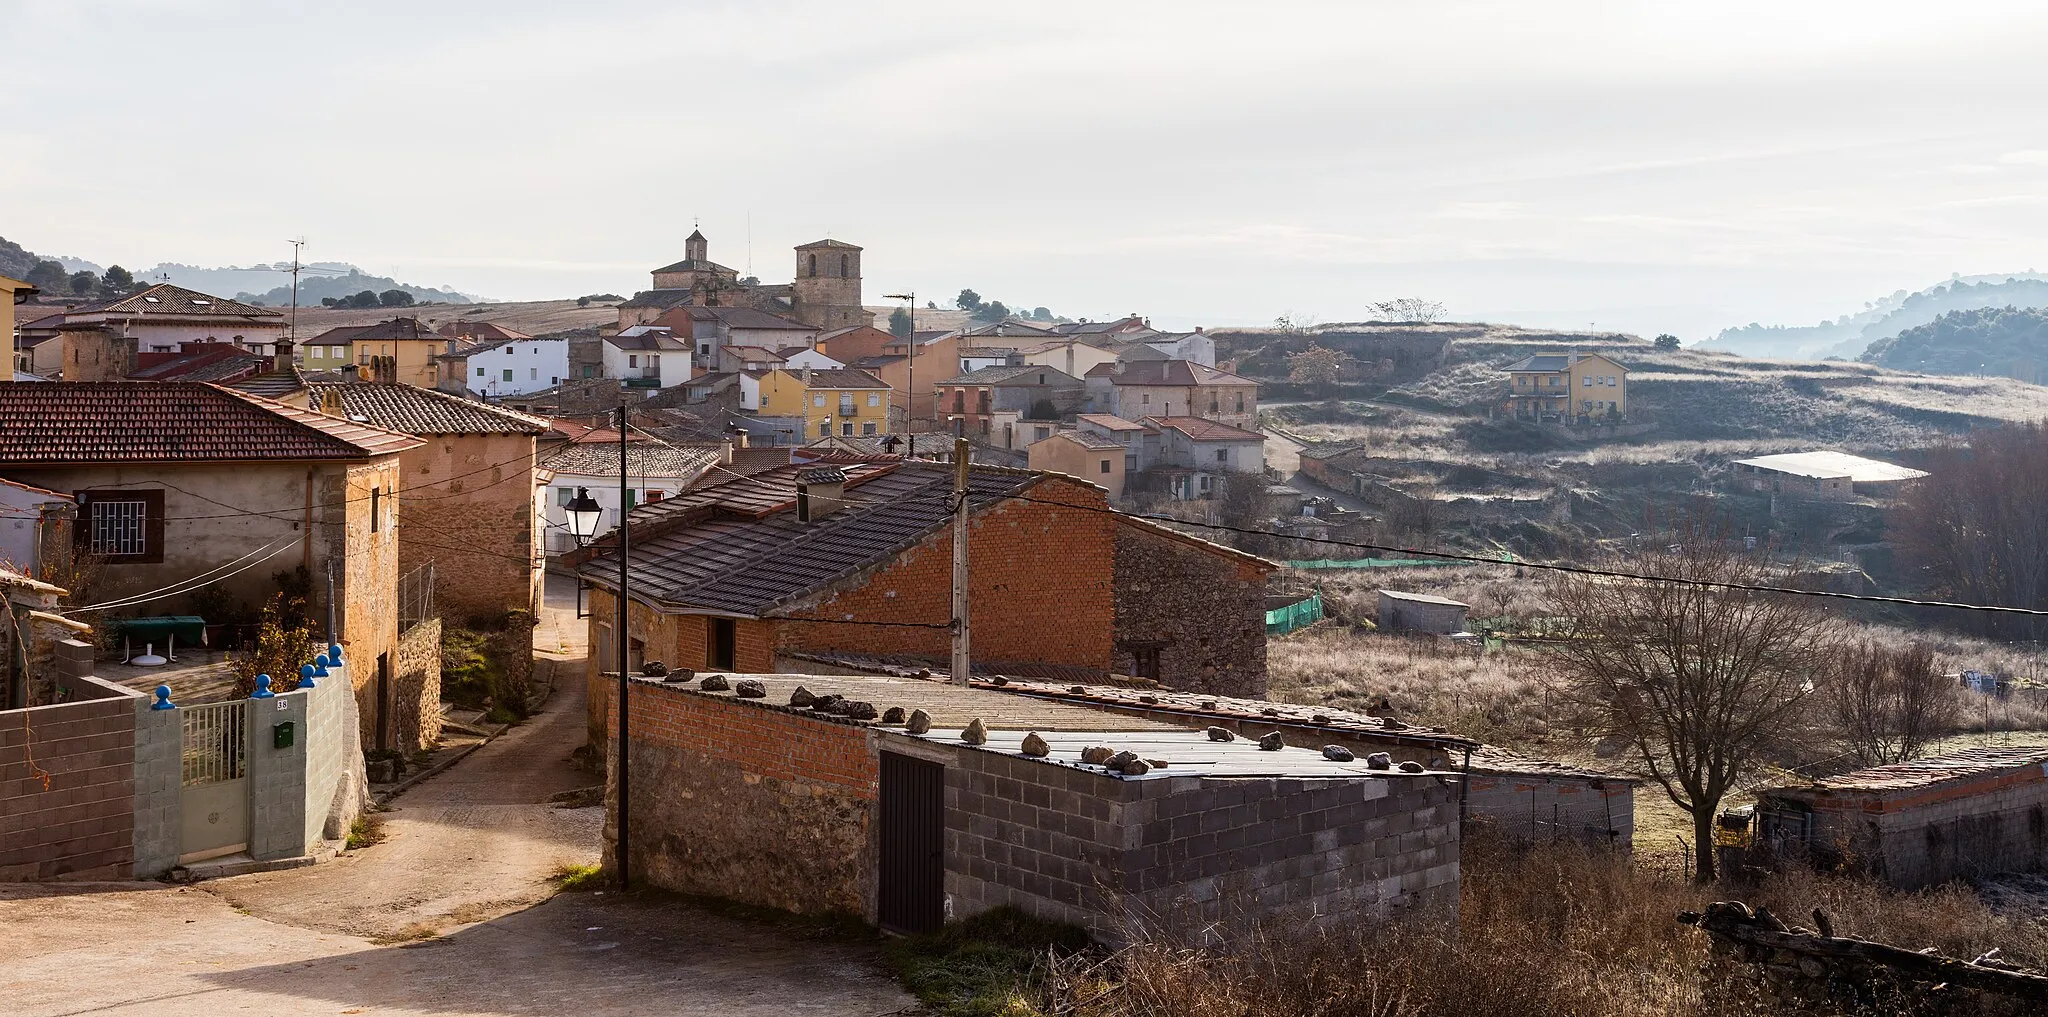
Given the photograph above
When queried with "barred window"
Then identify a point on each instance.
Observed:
(119, 527)
(124, 526)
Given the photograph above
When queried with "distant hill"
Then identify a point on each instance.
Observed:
(267, 284)
(1848, 336)
(315, 285)
(14, 260)
(2009, 341)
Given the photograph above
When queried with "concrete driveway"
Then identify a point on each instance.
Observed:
(454, 913)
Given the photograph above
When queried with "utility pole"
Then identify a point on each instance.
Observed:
(296, 244)
(625, 682)
(962, 452)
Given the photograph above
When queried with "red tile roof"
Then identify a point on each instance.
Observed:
(65, 423)
(166, 299)
(1165, 372)
(1111, 423)
(1205, 430)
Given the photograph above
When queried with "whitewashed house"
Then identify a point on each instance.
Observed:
(517, 366)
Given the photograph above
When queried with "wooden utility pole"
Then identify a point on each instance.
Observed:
(962, 452)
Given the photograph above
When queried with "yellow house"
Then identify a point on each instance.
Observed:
(841, 401)
(413, 349)
(1567, 387)
(11, 290)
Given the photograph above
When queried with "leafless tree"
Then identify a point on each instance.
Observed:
(1700, 681)
(1887, 702)
(1975, 529)
(1409, 309)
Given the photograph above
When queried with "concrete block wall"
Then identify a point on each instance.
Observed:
(1175, 854)
(747, 802)
(1996, 825)
(67, 786)
(277, 776)
(337, 783)
(159, 774)
(1530, 807)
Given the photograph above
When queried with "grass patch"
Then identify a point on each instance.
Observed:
(991, 965)
(368, 829)
(572, 878)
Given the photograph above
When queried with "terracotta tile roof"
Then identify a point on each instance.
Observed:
(416, 410)
(737, 317)
(166, 299)
(278, 384)
(481, 331)
(662, 298)
(64, 423)
(1964, 765)
(1005, 374)
(659, 341)
(1110, 423)
(383, 331)
(1165, 372)
(1199, 429)
(221, 364)
(1092, 442)
(836, 377)
(643, 459)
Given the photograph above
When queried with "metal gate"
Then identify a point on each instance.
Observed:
(213, 797)
(913, 883)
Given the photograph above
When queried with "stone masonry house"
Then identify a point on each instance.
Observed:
(829, 810)
(997, 405)
(471, 505)
(1136, 389)
(177, 480)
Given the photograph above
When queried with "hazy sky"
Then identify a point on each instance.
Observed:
(1651, 166)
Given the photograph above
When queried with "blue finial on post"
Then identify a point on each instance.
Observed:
(333, 654)
(163, 699)
(306, 676)
(263, 688)
(320, 664)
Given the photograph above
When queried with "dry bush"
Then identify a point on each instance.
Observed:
(1498, 696)
(1557, 931)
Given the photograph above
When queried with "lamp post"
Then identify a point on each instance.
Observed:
(584, 512)
(625, 681)
(910, 377)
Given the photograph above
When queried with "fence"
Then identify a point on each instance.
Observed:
(1373, 563)
(416, 597)
(1300, 614)
(215, 746)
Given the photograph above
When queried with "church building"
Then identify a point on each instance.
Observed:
(826, 293)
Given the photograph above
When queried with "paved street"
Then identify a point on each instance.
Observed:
(454, 913)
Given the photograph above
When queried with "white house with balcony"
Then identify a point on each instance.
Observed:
(512, 367)
(647, 356)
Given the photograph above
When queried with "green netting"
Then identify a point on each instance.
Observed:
(1372, 563)
(1300, 614)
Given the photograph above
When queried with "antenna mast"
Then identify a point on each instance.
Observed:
(296, 244)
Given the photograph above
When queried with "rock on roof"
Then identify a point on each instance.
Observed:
(1965, 765)
(416, 410)
(67, 423)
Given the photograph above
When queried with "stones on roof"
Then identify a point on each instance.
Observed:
(416, 410)
(1091, 442)
(67, 423)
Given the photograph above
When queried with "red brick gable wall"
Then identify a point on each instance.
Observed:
(1040, 583)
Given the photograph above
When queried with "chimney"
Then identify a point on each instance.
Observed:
(281, 358)
(351, 373)
(330, 403)
(820, 491)
(384, 370)
(807, 376)
(1198, 330)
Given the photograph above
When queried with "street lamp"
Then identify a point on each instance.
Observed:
(910, 376)
(584, 512)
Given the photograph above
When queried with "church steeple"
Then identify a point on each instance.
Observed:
(696, 248)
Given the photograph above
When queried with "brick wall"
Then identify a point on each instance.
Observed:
(1187, 853)
(469, 508)
(1039, 586)
(67, 787)
(1921, 836)
(747, 803)
(1204, 613)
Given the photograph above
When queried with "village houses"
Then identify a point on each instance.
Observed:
(1567, 388)
(1135, 389)
(844, 401)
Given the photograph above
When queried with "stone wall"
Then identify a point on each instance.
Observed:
(1178, 854)
(368, 580)
(747, 803)
(67, 786)
(1204, 613)
(416, 688)
(469, 508)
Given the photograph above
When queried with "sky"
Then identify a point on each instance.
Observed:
(1645, 166)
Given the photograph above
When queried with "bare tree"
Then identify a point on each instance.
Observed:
(1699, 680)
(1975, 528)
(1888, 702)
(1409, 309)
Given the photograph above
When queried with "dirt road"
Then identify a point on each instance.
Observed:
(452, 914)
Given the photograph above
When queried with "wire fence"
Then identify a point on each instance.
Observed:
(416, 597)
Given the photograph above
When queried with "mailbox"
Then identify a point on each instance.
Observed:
(281, 735)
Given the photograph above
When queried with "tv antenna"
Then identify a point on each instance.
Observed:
(297, 243)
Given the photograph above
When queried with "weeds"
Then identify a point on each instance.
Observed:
(368, 829)
(991, 965)
(571, 877)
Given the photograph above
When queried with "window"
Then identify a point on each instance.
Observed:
(867, 428)
(655, 494)
(959, 401)
(845, 264)
(825, 429)
(590, 370)
(508, 374)
(1589, 382)
(1145, 662)
(1222, 455)
(874, 399)
(1212, 402)
(813, 265)
(1105, 467)
(564, 495)
(846, 428)
(376, 504)
(818, 399)
(1240, 402)
(703, 349)
(126, 526)
(721, 638)
(1145, 399)
(479, 372)
(632, 360)
(533, 374)
(1041, 433)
